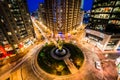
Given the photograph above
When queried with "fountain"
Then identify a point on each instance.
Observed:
(60, 52)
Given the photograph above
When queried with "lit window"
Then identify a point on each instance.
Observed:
(16, 9)
(118, 22)
(9, 33)
(2, 20)
(29, 20)
(113, 16)
(15, 19)
(98, 20)
(118, 3)
(110, 21)
(116, 9)
(61, 10)
(27, 13)
(15, 45)
(99, 4)
(11, 10)
(5, 42)
(19, 18)
(23, 29)
(22, 36)
(9, 5)
(94, 6)
(21, 21)
(15, 31)
(18, 26)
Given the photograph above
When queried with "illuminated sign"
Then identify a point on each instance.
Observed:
(2, 50)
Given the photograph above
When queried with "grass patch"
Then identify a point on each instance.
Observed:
(58, 67)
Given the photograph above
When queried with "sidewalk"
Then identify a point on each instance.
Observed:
(12, 61)
(112, 51)
(95, 49)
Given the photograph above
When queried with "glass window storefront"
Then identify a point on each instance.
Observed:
(111, 44)
(114, 22)
(117, 3)
(117, 9)
(93, 37)
(106, 9)
(102, 16)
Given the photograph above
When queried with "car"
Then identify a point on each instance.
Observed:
(98, 65)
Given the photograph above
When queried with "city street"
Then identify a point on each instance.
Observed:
(6, 72)
(87, 72)
(71, 66)
(28, 69)
(59, 40)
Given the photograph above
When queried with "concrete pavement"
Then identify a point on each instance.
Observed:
(86, 72)
(70, 65)
(28, 69)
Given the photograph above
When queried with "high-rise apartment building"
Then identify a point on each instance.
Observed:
(42, 13)
(62, 15)
(105, 15)
(104, 24)
(16, 30)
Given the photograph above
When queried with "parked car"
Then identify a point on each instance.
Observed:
(98, 65)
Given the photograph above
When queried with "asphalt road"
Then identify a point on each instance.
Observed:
(27, 69)
(86, 72)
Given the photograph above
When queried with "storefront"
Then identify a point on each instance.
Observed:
(25, 44)
(111, 44)
(97, 38)
(93, 37)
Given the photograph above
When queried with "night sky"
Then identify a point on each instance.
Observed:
(33, 4)
(87, 5)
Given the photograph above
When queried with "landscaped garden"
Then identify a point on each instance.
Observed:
(59, 67)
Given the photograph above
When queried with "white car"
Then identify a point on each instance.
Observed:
(98, 65)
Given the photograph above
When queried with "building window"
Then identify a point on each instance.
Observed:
(113, 16)
(9, 5)
(117, 3)
(5, 42)
(15, 31)
(15, 45)
(117, 9)
(11, 10)
(27, 14)
(2, 20)
(104, 16)
(15, 19)
(9, 33)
